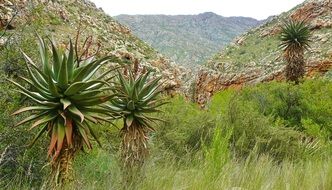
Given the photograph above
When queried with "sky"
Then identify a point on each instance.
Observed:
(259, 9)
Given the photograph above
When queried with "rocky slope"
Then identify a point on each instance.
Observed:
(255, 57)
(187, 39)
(21, 19)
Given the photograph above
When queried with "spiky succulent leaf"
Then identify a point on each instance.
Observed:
(136, 97)
(294, 35)
(66, 94)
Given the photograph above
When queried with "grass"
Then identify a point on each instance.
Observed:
(243, 140)
(100, 171)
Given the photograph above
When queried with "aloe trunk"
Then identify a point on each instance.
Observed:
(62, 167)
(134, 144)
(295, 69)
(62, 170)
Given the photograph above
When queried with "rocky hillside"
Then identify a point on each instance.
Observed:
(187, 39)
(255, 57)
(60, 19)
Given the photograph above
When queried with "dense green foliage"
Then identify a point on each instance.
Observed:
(272, 135)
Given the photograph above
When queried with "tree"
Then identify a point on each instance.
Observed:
(294, 41)
(67, 98)
(136, 98)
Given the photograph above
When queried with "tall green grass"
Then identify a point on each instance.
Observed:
(245, 139)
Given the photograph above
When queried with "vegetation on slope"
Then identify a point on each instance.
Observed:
(258, 49)
(187, 39)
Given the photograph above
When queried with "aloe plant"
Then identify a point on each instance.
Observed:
(67, 98)
(294, 41)
(136, 99)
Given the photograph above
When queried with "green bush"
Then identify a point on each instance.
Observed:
(186, 128)
(278, 119)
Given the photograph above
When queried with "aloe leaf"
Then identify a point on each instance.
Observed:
(56, 59)
(65, 103)
(90, 118)
(146, 89)
(79, 86)
(54, 138)
(31, 108)
(61, 135)
(107, 72)
(52, 87)
(82, 131)
(42, 75)
(74, 88)
(96, 86)
(42, 130)
(86, 71)
(96, 117)
(91, 73)
(63, 73)
(37, 80)
(70, 61)
(31, 118)
(143, 80)
(42, 91)
(69, 131)
(129, 120)
(93, 134)
(123, 83)
(32, 94)
(43, 54)
(86, 95)
(73, 109)
(62, 114)
(95, 110)
(96, 100)
(44, 119)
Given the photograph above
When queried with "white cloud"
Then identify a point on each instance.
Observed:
(259, 9)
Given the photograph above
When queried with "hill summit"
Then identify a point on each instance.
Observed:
(187, 39)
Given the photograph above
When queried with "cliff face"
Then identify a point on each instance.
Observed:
(255, 56)
(188, 39)
(21, 19)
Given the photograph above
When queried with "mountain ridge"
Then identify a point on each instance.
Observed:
(187, 39)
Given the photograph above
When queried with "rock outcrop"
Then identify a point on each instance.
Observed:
(255, 56)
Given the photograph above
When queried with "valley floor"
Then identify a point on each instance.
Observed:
(268, 136)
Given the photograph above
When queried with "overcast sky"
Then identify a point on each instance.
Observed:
(259, 9)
